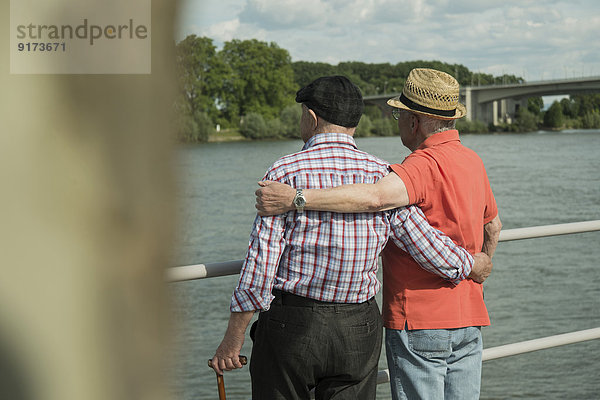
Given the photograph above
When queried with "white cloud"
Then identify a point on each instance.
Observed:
(540, 39)
(228, 30)
(534, 24)
(283, 14)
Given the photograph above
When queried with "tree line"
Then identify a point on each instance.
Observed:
(576, 112)
(250, 85)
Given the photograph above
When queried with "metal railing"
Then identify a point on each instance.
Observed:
(527, 346)
(203, 271)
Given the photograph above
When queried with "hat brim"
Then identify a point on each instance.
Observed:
(461, 110)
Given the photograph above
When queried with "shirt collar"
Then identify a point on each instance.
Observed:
(329, 138)
(450, 135)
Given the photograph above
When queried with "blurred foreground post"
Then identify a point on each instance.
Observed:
(86, 227)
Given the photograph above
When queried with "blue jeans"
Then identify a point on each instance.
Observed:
(434, 364)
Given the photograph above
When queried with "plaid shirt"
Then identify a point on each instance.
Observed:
(330, 256)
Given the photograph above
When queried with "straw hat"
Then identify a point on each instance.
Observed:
(430, 92)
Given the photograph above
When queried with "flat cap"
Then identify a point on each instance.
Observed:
(333, 98)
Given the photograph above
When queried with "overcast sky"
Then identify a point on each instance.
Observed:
(545, 39)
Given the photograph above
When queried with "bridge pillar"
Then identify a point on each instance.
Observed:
(476, 110)
(495, 112)
(468, 99)
(486, 112)
(504, 115)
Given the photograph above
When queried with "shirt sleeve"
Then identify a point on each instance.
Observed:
(260, 265)
(410, 171)
(265, 248)
(491, 208)
(430, 248)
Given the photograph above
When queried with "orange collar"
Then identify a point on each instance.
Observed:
(439, 138)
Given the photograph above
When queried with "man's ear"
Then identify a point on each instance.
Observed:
(313, 118)
(414, 123)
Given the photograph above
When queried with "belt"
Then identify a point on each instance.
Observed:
(290, 299)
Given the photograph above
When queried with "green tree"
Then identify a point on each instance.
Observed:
(507, 79)
(384, 127)
(254, 126)
(471, 126)
(186, 128)
(201, 72)
(585, 103)
(526, 121)
(554, 116)
(251, 76)
(193, 128)
(274, 128)
(305, 72)
(569, 108)
(290, 120)
(535, 105)
(386, 78)
(374, 112)
(591, 120)
(263, 81)
(364, 127)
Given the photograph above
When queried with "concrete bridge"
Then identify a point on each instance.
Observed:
(499, 103)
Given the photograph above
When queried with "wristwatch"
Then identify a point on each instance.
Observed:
(299, 200)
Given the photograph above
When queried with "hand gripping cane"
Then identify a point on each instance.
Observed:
(220, 382)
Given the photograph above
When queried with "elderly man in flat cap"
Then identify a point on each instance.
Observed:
(312, 275)
(433, 335)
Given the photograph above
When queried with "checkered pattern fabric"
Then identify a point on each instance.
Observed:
(330, 256)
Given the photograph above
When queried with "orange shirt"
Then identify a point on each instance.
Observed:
(448, 181)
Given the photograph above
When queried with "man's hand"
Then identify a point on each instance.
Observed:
(274, 198)
(227, 356)
(482, 267)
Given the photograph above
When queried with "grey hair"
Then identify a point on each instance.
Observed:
(434, 125)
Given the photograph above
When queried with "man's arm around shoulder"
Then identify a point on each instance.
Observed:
(389, 192)
(491, 234)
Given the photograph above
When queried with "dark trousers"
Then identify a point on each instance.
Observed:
(301, 344)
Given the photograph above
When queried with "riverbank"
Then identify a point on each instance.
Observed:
(226, 135)
(233, 135)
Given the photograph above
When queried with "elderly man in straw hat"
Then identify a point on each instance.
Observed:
(433, 336)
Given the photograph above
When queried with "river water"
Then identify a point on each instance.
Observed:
(539, 287)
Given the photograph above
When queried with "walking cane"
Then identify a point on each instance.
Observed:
(220, 382)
